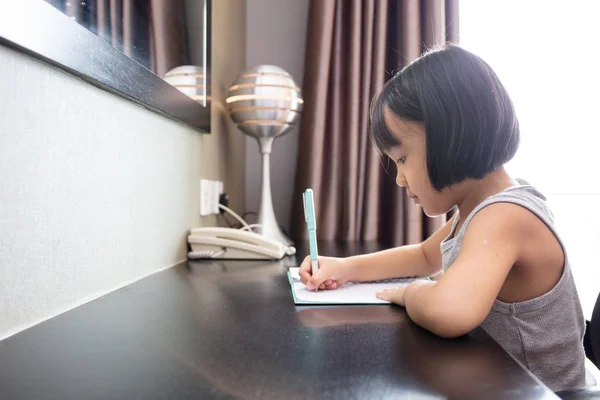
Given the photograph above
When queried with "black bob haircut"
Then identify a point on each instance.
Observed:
(470, 123)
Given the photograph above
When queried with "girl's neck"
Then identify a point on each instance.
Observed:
(475, 191)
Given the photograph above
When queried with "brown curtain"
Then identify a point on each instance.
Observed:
(353, 47)
(170, 48)
(152, 32)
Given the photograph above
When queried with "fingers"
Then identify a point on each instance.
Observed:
(317, 279)
(328, 285)
(393, 295)
(323, 279)
(305, 270)
(307, 278)
(384, 296)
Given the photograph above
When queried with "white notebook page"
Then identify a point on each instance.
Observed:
(350, 293)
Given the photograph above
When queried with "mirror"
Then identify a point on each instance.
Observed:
(155, 52)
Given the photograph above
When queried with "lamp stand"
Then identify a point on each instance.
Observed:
(266, 215)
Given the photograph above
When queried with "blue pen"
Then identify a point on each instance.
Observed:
(311, 224)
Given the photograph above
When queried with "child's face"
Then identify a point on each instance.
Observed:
(411, 164)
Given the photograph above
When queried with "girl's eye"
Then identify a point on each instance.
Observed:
(401, 160)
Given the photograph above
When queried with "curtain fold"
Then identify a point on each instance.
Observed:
(353, 47)
(168, 28)
(151, 32)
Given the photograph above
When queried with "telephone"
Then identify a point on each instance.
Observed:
(230, 243)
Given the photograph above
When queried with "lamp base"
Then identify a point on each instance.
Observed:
(266, 215)
(272, 231)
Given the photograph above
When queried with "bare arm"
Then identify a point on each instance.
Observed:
(423, 259)
(463, 297)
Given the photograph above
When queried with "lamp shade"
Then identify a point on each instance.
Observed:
(264, 101)
(192, 80)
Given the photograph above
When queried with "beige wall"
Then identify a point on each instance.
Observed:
(228, 59)
(276, 34)
(96, 191)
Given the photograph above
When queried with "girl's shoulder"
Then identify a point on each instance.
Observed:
(519, 214)
(520, 204)
(522, 215)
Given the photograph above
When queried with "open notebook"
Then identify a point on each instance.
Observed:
(350, 294)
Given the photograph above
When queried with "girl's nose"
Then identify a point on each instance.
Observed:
(400, 181)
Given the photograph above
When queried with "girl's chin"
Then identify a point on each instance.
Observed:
(431, 213)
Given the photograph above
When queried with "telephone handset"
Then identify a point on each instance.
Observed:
(230, 243)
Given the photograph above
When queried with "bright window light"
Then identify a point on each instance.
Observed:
(546, 54)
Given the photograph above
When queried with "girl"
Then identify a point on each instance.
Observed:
(449, 125)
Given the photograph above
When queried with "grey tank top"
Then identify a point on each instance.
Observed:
(546, 333)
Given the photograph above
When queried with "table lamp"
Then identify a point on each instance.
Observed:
(265, 103)
(192, 80)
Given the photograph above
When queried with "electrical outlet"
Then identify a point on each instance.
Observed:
(217, 190)
(214, 198)
(209, 196)
(205, 196)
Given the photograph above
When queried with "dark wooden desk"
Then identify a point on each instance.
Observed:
(230, 330)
